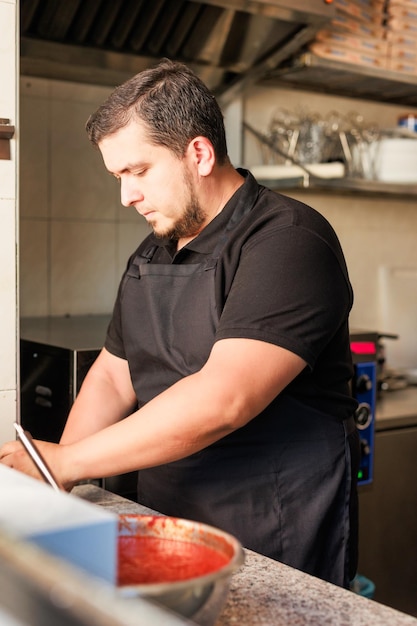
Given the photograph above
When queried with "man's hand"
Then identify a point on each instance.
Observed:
(14, 455)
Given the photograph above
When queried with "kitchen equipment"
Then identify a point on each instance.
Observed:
(31, 448)
(364, 385)
(365, 392)
(55, 356)
(224, 40)
(201, 597)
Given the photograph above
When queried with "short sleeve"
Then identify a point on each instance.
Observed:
(290, 289)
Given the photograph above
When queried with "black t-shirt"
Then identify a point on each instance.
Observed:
(281, 278)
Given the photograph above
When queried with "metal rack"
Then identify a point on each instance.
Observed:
(313, 73)
(339, 185)
(311, 181)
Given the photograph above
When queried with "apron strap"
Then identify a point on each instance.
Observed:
(141, 259)
(147, 255)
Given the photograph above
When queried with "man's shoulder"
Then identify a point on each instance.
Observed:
(283, 210)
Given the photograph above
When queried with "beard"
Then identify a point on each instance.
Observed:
(190, 222)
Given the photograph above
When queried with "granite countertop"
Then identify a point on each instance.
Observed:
(265, 592)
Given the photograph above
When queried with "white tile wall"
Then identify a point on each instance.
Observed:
(35, 157)
(8, 51)
(8, 211)
(83, 267)
(34, 266)
(8, 294)
(398, 305)
(7, 414)
(75, 237)
(79, 186)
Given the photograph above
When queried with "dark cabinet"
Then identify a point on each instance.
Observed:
(388, 519)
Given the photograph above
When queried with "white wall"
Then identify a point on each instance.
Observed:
(75, 236)
(8, 212)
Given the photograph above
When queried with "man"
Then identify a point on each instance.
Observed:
(225, 373)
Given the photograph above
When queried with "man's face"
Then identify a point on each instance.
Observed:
(153, 180)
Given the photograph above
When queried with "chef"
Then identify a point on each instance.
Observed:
(224, 378)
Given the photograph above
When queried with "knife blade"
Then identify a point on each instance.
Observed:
(25, 438)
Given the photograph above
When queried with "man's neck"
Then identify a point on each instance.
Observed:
(218, 192)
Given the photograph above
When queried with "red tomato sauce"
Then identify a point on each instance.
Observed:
(146, 559)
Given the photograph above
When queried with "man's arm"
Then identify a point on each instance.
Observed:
(240, 378)
(105, 397)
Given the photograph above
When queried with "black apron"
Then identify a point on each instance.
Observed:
(262, 483)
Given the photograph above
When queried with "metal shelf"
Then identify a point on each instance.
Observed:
(311, 72)
(311, 178)
(343, 185)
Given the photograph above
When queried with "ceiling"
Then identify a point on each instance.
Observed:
(229, 43)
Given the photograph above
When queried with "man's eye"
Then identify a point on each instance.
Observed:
(140, 172)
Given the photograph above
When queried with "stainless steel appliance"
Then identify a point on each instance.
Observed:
(231, 43)
(55, 355)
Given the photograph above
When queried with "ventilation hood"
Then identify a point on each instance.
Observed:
(229, 43)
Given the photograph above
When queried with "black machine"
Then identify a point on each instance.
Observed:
(55, 356)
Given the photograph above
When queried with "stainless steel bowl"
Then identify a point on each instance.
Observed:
(202, 597)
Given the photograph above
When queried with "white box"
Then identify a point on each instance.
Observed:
(396, 160)
(81, 533)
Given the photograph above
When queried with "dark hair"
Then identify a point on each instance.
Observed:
(175, 105)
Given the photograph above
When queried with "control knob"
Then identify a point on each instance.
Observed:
(363, 383)
(363, 415)
(365, 448)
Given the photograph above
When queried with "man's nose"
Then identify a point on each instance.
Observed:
(130, 194)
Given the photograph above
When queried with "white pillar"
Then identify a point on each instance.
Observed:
(9, 73)
(233, 118)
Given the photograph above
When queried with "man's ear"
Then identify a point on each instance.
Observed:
(201, 152)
